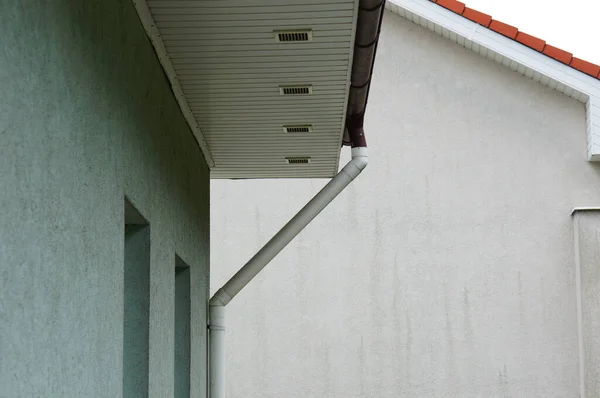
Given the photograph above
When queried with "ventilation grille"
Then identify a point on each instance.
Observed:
(297, 160)
(293, 36)
(306, 128)
(295, 90)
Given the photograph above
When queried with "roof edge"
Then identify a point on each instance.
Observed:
(159, 47)
(506, 51)
(523, 38)
(446, 18)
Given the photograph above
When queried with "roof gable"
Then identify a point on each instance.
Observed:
(525, 39)
(521, 52)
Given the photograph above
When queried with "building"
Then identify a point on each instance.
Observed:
(463, 263)
(114, 115)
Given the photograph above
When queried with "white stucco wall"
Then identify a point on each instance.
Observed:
(87, 118)
(446, 270)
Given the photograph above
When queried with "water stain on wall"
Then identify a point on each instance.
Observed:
(467, 323)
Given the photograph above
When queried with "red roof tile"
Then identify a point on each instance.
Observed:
(513, 33)
(452, 5)
(585, 66)
(504, 29)
(477, 16)
(531, 41)
(558, 54)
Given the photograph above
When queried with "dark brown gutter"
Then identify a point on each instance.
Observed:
(368, 27)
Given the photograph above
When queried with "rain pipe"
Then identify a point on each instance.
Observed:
(370, 16)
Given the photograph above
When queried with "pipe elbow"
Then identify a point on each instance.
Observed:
(360, 157)
(220, 299)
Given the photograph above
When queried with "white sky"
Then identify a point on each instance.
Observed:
(569, 25)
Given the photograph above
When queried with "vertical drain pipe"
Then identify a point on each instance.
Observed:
(370, 16)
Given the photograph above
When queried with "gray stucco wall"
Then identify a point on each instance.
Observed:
(446, 270)
(87, 118)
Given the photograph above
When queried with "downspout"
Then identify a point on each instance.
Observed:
(367, 33)
(225, 294)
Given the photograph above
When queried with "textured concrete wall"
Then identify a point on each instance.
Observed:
(587, 240)
(87, 118)
(446, 270)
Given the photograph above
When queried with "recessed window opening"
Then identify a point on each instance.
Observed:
(136, 303)
(182, 329)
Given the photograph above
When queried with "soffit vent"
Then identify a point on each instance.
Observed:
(297, 160)
(293, 36)
(305, 128)
(295, 90)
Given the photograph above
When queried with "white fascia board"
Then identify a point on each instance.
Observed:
(154, 35)
(512, 54)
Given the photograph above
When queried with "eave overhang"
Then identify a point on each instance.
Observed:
(258, 105)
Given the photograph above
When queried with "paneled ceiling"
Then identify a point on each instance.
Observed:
(240, 83)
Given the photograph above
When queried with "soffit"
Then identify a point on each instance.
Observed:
(226, 68)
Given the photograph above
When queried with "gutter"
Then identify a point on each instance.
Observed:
(370, 16)
(368, 27)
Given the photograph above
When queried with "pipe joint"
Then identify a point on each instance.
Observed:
(220, 299)
(216, 314)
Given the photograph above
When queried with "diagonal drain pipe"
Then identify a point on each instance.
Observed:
(370, 16)
(224, 295)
